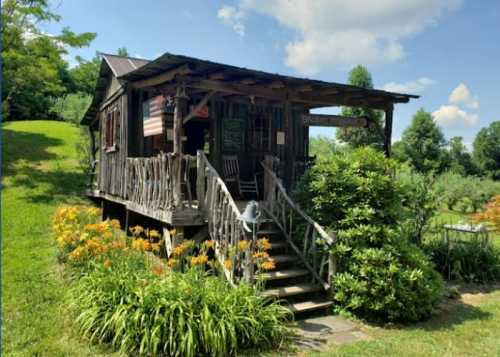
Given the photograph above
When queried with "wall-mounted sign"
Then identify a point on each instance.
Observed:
(233, 134)
(280, 138)
(202, 112)
(170, 135)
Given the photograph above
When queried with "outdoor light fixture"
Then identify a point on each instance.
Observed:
(251, 213)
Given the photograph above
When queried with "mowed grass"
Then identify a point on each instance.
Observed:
(467, 328)
(40, 172)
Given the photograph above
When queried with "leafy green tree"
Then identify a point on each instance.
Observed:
(84, 75)
(72, 107)
(461, 159)
(322, 147)
(356, 137)
(486, 151)
(122, 51)
(422, 144)
(34, 69)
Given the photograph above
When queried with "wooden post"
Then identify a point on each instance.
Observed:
(180, 105)
(388, 130)
(289, 144)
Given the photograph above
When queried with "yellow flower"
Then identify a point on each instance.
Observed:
(228, 263)
(209, 244)
(136, 230)
(242, 245)
(180, 249)
(107, 263)
(153, 233)
(173, 232)
(264, 244)
(268, 265)
(92, 211)
(155, 247)
(115, 224)
(199, 260)
(260, 255)
(172, 262)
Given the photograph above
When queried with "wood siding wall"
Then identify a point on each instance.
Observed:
(112, 162)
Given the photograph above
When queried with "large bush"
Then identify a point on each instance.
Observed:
(380, 274)
(127, 296)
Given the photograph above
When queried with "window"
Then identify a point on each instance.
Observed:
(112, 129)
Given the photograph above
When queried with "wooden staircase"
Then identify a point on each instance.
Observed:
(290, 281)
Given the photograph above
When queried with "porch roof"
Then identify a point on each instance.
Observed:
(210, 75)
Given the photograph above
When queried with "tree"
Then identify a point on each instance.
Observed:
(122, 51)
(422, 144)
(84, 75)
(356, 137)
(460, 159)
(486, 151)
(322, 147)
(34, 70)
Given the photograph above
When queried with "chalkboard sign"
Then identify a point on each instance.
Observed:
(233, 134)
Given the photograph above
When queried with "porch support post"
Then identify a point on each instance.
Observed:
(289, 143)
(179, 110)
(388, 129)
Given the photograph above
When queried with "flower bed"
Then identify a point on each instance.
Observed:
(126, 296)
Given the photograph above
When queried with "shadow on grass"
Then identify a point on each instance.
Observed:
(23, 154)
(451, 313)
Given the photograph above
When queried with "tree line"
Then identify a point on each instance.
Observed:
(423, 145)
(38, 82)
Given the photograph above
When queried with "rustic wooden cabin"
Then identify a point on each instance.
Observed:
(188, 142)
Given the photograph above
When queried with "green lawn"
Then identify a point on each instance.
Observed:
(39, 173)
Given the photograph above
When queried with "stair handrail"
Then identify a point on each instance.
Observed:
(224, 225)
(282, 208)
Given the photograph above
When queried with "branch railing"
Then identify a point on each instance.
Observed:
(151, 181)
(224, 226)
(307, 238)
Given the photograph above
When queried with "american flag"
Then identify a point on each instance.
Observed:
(152, 110)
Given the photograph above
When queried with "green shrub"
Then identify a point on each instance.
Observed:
(474, 260)
(177, 314)
(419, 202)
(380, 274)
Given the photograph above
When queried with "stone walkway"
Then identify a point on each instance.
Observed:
(318, 333)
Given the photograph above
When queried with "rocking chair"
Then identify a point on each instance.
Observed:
(231, 173)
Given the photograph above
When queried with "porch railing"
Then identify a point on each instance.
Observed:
(224, 226)
(151, 181)
(307, 238)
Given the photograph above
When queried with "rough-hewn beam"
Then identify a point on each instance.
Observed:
(333, 120)
(164, 77)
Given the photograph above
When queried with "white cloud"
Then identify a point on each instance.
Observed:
(416, 86)
(339, 33)
(451, 115)
(233, 17)
(462, 95)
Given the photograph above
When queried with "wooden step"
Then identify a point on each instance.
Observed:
(309, 305)
(280, 259)
(292, 290)
(268, 232)
(278, 245)
(284, 274)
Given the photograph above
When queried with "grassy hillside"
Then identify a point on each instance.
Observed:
(39, 173)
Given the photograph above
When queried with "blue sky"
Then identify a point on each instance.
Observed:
(447, 51)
